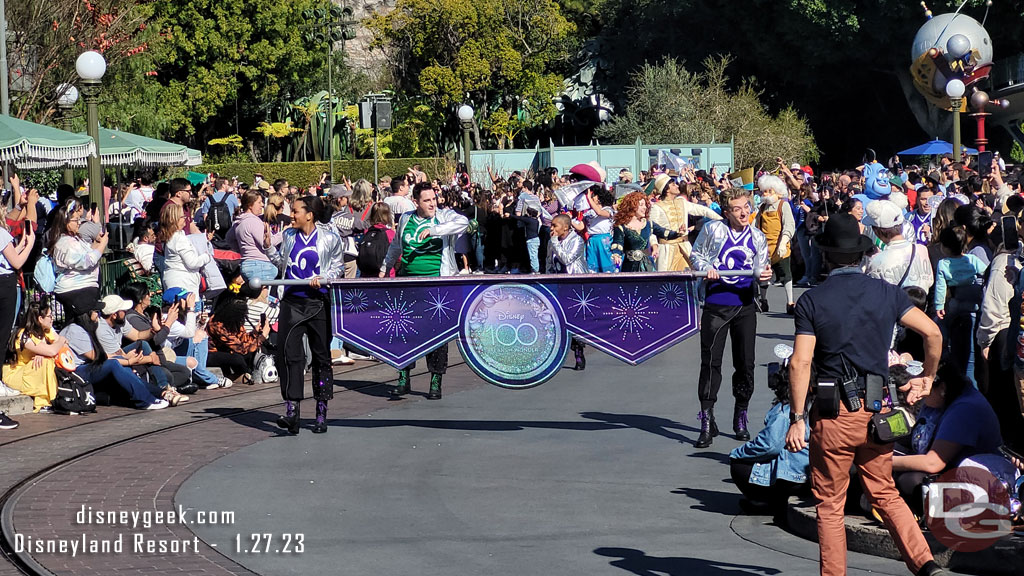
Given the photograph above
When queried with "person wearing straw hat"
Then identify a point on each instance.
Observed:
(847, 347)
(673, 213)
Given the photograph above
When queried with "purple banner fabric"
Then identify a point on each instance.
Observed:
(514, 330)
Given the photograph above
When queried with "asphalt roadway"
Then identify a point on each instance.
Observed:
(592, 473)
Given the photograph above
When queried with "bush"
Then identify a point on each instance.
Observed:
(305, 173)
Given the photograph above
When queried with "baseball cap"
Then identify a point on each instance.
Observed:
(172, 294)
(339, 191)
(796, 166)
(883, 214)
(113, 304)
(263, 185)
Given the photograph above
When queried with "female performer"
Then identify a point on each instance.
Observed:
(309, 251)
(634, 234)
(673, 213)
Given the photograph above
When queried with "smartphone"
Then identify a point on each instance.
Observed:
(263, 319)
(1008, 227)
(984, 164)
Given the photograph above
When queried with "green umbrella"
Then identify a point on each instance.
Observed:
(124, 149)
(30, 145)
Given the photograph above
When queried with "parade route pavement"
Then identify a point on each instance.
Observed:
(592, 473)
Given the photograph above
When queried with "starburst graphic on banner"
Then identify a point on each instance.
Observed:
(584, 302)
(630, 312)
(439, 306)
(355, 301)
(671, 295)
(397, 317)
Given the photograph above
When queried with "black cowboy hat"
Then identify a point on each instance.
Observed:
(842, 235)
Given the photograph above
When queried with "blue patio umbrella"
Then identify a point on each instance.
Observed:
(932, 148)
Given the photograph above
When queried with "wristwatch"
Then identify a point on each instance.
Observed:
(794, 417)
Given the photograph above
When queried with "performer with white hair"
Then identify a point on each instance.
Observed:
(775, 220)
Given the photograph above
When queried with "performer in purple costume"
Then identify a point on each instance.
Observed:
(729, 309)
(309, 251)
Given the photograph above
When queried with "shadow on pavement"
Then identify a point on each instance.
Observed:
(652, 424)
(720, 457)
(377, 389)
(483, 425)
(770, 336)
(637, 562)
(726, 503)
(259, 419)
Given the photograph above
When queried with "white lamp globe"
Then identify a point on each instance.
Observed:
(67, 95)
(90, 66)
(465, 113)
(955, 88)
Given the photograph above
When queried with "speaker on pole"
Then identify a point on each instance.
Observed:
(382, 115)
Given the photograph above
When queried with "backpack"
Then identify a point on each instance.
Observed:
(373, 249)
(45, 274)
(218, 217)
(74, 394)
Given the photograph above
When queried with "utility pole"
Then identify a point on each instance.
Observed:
(5, 96)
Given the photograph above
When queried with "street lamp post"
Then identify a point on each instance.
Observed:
(466, 120)
(67, 95)
(330, 26)
(90, 67)
(955, 90)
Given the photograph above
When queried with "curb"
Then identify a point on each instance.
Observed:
(869, 537)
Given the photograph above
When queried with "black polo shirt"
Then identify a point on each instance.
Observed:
(852, 314)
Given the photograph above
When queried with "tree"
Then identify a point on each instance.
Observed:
(668, 104)
(46, 37)
(499, 55)
(841, 62)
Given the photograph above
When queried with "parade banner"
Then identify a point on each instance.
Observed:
(515, 331)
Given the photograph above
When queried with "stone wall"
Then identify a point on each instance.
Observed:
(358, 54)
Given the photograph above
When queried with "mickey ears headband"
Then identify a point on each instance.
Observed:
(71, 207)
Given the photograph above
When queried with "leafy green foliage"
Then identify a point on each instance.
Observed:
(305, 173)
(497, 55)
(668, 103)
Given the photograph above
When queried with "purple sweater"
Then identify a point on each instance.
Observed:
(246, 236)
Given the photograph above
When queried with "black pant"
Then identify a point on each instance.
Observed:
(740, 324)
(8, 311)
(77, 302)
(310, 317)
(437, 360)
(232, 365)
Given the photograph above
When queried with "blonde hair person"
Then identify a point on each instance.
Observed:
(362, 196)
(182, 261)
(673, 213)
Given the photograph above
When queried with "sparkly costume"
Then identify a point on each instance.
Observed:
(922, 235)
(431, 256)
(567, 256)
(729, 309)
(631, 245)
(305, 311)
(674, 255)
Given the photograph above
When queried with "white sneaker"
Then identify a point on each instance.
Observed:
(158, 405)
(358, 356)
(226, 383)
(6, 390)
(338, 357)
(464, 272)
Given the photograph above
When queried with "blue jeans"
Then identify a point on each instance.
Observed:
(159, 375)
(262, 269)
(200, 351)
(533, 250)
(812, 257)
(138, 390)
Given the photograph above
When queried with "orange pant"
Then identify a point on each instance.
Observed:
(835, 445)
